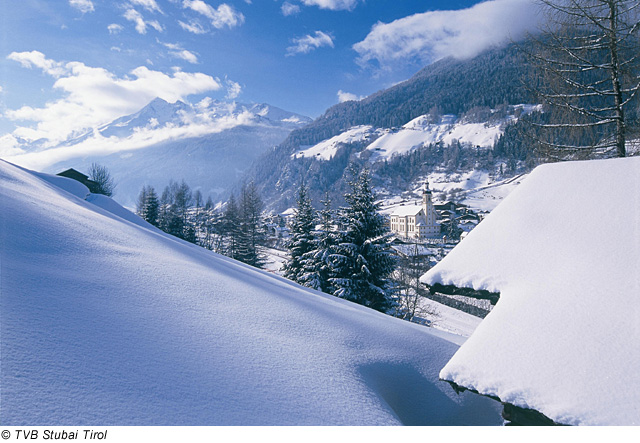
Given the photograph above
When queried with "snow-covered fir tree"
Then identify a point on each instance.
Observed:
(176, 201)
(302, 239)
(148, 205)
(251, 233)
(231, 227)
(362, 262)
(316, 267)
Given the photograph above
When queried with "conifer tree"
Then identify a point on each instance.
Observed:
(231, 227)
(315, 263)
(362, 262)
(183, 201)
(251, 234)
(152, 206)
(148, 205)
(174, 211)
(301, 241)
(142, 201)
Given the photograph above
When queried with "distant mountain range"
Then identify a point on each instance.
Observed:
(210, 145)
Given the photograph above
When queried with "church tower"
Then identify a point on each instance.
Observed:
(432, 228)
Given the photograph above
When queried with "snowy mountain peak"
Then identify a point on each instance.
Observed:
(275, 114)
(157, 113)
(208, 112)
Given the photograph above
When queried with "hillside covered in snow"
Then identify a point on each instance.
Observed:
(106, 320)
(563, 251)
(383, 143)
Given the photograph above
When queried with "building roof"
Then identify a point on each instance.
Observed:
(404, 211)
(563, 339)
(74, 174)
(78, 176)
(288, 213)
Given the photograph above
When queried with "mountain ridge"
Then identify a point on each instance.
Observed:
(436, 85)
(210, 144)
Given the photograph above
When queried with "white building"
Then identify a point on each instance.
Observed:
(416, 221)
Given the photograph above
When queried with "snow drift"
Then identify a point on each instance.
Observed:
(106, 320)
(564, 252)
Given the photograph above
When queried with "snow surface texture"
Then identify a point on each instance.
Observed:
(112, 322)
(564, 251)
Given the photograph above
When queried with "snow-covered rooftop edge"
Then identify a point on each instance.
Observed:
(564, 252)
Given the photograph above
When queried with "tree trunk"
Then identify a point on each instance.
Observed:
(615, 78)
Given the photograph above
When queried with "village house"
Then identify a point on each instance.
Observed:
(416, 221)
(80, 177)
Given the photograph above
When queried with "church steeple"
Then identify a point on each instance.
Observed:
(426, 195)
(432, 228)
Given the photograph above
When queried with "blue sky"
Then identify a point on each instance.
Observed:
(72, 64)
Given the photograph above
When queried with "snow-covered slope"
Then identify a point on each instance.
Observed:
(209, 144)
(327, 149)
(384, 143)
(106, 321)
(564, 252)
(420, 132)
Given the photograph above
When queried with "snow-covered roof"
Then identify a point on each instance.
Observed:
(404, 211)
(105, 320)
(288, 212)
(563, 339)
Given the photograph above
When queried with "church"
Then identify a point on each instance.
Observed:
(416, 221)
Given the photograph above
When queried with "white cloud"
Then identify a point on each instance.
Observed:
(289, 9)
(114, 28)
(185, 55)
(233, 89)
(193, 26)
(224, 15)
(141, 25)
(82, 5)
(308, 43)
(461, 33)
(149, 5)
(348, 96)
(334, 5)
(36, 59)
(94, 96)
(134, 16)
(193, 125)
(155, 25)
(9, 145)
(179, 52)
